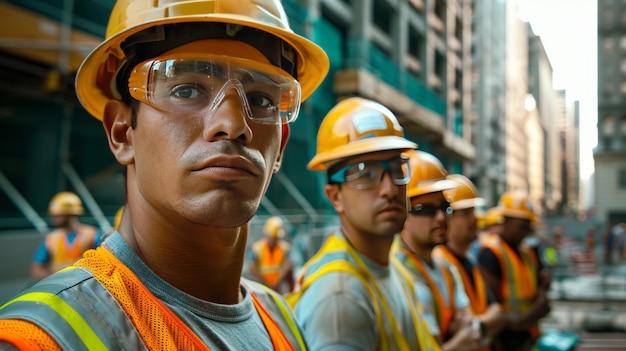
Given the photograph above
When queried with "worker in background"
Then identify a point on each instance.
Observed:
(437, 284)
(514, 274)
(269, 263)
(348, 296)
(66, 244)
(196, 99)
(462, 232)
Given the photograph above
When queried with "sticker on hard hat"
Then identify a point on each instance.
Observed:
(365, 121)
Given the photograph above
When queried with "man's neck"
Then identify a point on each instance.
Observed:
(458, 248)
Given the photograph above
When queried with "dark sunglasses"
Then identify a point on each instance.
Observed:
(431, 209)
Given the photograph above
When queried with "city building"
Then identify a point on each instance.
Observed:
(610, 153)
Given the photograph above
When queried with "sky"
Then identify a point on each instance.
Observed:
(568, 31)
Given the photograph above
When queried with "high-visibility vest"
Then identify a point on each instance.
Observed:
(142, 322)
(270, 261)
(444, 311)
(346, 260)
(476, 291)
(62, 252)
(519, 282)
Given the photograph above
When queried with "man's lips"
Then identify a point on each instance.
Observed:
(227, 166)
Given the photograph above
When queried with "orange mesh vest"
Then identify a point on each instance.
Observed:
(518, 285)
(158, 326)
(64, 253)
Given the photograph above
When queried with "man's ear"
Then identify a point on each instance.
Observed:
(117, 122)
(333, 193)
(283, 142)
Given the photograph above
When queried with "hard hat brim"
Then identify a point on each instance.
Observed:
(360, 147)
(432, 187)
(313, 63)
(468, 203)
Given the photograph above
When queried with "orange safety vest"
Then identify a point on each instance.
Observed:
(62, 252)
(519, 282)
(158, 326)
(444, 312)
(476, 292)
(270, 261)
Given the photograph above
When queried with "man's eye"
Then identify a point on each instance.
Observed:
(260, 100)
(185, 92)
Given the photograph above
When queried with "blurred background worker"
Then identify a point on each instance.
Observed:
(270, 262)
(437, 284)
(515, 274)
(66, 244)
(462, 233)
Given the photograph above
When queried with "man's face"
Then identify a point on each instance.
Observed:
(374, 211)
(428, 227)
(61, 221)
(209, 168)
(462, 226)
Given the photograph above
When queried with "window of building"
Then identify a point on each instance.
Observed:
(621, 179)
(383, 22)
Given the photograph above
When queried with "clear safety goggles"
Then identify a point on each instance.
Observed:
(369, 174)
(196, 84)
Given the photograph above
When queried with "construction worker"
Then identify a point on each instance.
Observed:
(270, 262)
(462, 229)
(348, 296)
(195, 98)
(66, 244)
(514, 274)
(437, 284)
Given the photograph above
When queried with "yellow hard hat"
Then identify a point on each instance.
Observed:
(493, 216)
(163, 25)
(465, 195)
(515, 204)
(274, 227)
(65, 203)
(427, 174)
(357, 126)
(118, 218)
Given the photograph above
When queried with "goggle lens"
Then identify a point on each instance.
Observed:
(369, 174)
(431, 209)
(198, 86)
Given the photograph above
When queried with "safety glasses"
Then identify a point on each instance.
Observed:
(430, 209)
(196, 84)
(369, 174)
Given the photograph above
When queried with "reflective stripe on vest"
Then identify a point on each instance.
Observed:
(477, 291)
(158, 326)
(347, 261)
(444, 311)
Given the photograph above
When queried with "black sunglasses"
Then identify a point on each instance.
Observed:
(431, 209)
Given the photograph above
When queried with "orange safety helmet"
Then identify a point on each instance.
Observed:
(515, 204)
(274, 227)
(96, 78)
(427, 174)
(492, 217)
(465, 195)
(66, 203)
(357, 126)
